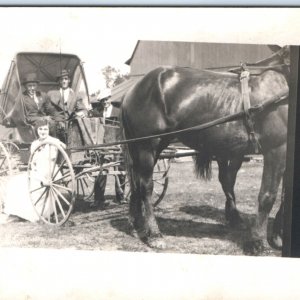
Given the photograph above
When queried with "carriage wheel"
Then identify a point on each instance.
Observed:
(52, 183)
(14, 154)
(85, 186)
(5, 161)
(160, 182)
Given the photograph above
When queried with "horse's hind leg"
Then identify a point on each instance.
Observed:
(227, 177)
(274, 166)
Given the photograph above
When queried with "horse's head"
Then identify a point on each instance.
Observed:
(284, 55)
(283, 60)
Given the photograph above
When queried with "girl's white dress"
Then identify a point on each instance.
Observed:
(15, 189)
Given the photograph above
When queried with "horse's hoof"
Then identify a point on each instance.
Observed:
(157, 243)
(276, 242)
(253, 247)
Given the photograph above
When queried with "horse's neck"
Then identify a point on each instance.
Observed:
(274, 60)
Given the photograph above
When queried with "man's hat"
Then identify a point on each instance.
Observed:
(63, 73)
(30, 77)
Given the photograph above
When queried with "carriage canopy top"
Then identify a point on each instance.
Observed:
(47, 66)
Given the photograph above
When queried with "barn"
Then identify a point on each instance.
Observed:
(148, 55)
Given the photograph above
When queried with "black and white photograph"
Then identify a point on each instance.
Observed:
(145, 131)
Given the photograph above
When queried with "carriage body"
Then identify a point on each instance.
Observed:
(47, 66)
(76, 170)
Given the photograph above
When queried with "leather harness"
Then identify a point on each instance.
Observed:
(244, 78)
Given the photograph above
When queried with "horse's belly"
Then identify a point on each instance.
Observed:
(221, 140)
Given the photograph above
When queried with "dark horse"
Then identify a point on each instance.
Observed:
(169, 99)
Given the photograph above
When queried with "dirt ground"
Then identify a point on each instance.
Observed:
(191, 218)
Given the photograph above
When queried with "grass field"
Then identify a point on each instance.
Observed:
(191, 218)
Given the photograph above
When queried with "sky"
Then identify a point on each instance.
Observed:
(107, 36)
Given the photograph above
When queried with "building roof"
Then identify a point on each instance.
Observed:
(128, 61)
(119, 90)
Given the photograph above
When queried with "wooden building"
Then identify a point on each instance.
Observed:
(148, 55)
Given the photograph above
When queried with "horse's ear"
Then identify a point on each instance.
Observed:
(275, 48)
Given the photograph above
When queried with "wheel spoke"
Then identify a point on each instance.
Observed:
(58, 203)
(82, 187)
(62, 164)
(37, 189)
(53, 206)
(77, 187)
(40, 197)
(63, 177)
(4, 159)
(44, 204)
(158, 182)
(62, 187)
(86, 185)
(61, 196)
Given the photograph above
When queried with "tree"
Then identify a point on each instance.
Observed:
(113, 76)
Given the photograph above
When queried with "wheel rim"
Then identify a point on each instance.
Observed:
(5, 161)
(85, 186)
(14, 155)
(51, 181)
(160, 182)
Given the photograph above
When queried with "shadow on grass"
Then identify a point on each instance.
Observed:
(82, 206)
(214, 213)
(196, 229)
(189, 229)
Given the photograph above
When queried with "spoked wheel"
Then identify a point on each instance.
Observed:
(160, 182)
(5, 161)
(85, 186)
(14, 154)
(52, 183)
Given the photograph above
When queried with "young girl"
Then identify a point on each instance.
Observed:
(17, 202)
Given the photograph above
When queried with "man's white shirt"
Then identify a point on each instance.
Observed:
(36, 100)
(65, 94)
(107, 111)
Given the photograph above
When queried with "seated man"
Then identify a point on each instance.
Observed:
(64, 103)
(35, 102)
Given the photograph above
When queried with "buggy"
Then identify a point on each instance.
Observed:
(71, 172)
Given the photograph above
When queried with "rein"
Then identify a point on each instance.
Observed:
(251, 110)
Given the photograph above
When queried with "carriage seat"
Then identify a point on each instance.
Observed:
(91, 131)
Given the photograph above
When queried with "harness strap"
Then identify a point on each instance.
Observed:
(244, 78)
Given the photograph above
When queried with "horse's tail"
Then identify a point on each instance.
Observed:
(203, 165)
(127, 148)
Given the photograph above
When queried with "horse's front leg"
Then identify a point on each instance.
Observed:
(153, 236)
(140, 207)
(227, 177)
(276, 239)
(274, 166)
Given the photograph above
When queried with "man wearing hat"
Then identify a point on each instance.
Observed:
(64, 102)
(35, 103)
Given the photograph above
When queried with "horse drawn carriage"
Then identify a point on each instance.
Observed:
(70, 172)
(225, 115)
